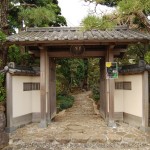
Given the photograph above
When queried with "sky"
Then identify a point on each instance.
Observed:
(75, 10)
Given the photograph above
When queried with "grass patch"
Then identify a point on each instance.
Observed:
(64, 101)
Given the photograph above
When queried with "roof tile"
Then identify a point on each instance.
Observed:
(71, 33)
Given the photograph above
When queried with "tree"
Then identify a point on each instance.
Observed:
(128, 12)
(35, 13)
(19, 13)
(133, 13)
(3, 15)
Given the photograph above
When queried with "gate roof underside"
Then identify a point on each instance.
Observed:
(71, 35)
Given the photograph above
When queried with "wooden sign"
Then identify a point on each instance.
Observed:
(111, 70)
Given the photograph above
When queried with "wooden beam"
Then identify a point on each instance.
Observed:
(66, 54)
(69, 54)
(43, 123)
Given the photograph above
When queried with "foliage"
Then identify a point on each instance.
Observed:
(77, 68)
(130, 6)
(96, 93)
(94, 22)
(109, 3)
(2, 37)
(94, 77)
(135, 52)
(20, 58)
(147, 57)
(70, 73)
(2, 40)
(34, 13)
(40, 16)
(63, 75)
(2, 88)
(64, 101)
(132, 13)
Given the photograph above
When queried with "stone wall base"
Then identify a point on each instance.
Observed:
(118, 116)
(132, 120)
(4, 137)
(21, 121)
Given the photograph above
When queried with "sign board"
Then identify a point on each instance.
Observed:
(111, 70)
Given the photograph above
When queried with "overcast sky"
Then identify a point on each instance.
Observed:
(75, 10)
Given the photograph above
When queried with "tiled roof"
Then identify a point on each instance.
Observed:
(134, 69)
(60, 34)
(23, 71)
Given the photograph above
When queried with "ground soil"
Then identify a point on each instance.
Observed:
(79, 128)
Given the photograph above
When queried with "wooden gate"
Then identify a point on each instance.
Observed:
(52, 88)
(103, 99)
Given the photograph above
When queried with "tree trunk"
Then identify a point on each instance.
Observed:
(3, 15)
(4, 28)
(143, 19)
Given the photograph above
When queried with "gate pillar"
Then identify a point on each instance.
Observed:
(103, 100)
(43, 58)
(52, 88)
(110, 90)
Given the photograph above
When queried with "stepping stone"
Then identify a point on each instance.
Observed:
(99, 138)
(63, 138)
(79, 138)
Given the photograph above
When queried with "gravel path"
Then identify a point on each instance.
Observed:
(79, 128)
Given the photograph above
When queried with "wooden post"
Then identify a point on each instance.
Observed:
(103, 98)
(52, 88)
(43, 123)
(48, 88)
(111, 86)
(9, 103)
(145, 101)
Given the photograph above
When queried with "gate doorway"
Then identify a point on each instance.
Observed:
(65, 42)
(76, 75)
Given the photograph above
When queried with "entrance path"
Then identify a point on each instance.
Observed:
(79, 128)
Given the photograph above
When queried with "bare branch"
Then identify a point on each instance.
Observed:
(28, 5)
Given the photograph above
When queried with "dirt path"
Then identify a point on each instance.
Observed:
(79, 128)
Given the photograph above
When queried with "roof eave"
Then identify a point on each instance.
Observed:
(81, 42)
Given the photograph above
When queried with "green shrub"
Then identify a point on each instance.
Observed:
(2, 88)
(64, 101)
(96, 93)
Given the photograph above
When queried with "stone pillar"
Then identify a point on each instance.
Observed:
(4, 138)
(43, 55)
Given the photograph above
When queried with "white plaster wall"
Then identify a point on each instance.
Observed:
(118, 97)
(22, 102)
(36, 96)
(133, 98)
(129, 101)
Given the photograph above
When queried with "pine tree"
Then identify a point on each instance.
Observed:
(133, 13)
